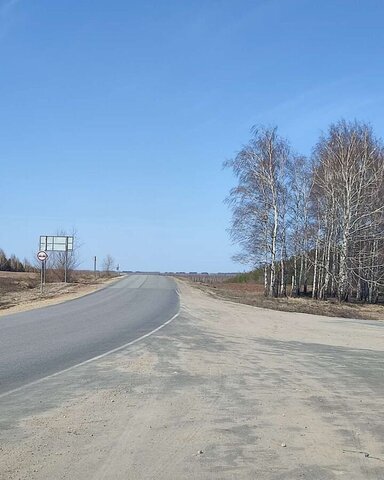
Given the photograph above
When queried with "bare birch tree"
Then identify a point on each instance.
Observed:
(259, 203)
(349, 181)
(301, 225)
(108, 264)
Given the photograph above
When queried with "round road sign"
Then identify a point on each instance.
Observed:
(42, 255)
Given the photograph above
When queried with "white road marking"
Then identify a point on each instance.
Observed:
(40, 380)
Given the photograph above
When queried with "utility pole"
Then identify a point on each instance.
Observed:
(94, 266)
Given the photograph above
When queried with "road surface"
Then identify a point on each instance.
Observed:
(39, 343)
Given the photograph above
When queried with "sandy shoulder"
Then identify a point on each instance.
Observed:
(225, 391)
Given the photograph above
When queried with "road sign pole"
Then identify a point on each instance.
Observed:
(41, 277)
(42, 257)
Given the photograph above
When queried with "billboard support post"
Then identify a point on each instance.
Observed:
(66, 260)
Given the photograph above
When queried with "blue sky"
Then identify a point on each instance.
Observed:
(116, 117)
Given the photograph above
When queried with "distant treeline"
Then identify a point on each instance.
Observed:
(312, 225)
(13, 264)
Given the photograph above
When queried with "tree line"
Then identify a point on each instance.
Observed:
(55, 266)
(314, 224)
(12, 264)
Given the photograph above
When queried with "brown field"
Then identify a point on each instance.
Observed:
(17, 281)
(21, 291)
(253, 294)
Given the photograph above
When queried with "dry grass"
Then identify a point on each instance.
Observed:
(252, 294)
(17, 282)
(19, 290)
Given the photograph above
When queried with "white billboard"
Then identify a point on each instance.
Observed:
(56, 243)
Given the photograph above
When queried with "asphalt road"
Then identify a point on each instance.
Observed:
(41, 342)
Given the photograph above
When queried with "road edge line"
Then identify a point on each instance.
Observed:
(98, 357)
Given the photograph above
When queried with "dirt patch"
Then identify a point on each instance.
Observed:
(21, 291)
(253, 294)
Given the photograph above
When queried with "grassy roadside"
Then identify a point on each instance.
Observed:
(21, 291)
(252, 294)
